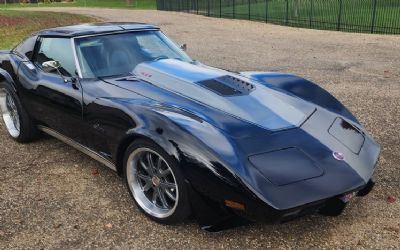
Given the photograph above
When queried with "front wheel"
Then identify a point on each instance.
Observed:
(156, 183)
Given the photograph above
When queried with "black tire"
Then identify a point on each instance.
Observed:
(27, 128)
(182, 208)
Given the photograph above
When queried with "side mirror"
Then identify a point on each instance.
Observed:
(183, 47)
(50, 66)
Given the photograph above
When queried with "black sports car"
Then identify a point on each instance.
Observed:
(189, 139)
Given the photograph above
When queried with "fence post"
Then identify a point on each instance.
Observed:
(266, 11)
(233, 6)
(220, 8)
(287, 12)
(373, 18)
(311, 12)
(248, 1)
(197, 7)
(208, 7)
(339, 15)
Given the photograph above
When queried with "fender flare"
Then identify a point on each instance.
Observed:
(5, 78)
(303, 89)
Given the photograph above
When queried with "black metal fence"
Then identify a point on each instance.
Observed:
(368, 16)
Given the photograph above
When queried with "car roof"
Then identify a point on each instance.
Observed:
(95, 28)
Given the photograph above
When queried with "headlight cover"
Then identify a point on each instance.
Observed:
(285, 166)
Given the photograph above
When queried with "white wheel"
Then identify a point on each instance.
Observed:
(10, 113)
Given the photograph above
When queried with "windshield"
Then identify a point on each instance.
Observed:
(118, 54)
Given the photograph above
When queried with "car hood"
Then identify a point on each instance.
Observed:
(227, 92)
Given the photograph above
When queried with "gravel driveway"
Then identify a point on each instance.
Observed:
(52, 196)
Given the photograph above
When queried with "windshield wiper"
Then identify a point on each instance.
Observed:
(160, 58)
(116, 76)
(129, 77)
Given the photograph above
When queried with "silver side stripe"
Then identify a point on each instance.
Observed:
(78, 146)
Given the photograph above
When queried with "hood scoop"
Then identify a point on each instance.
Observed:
(227, 86)
(227, 92)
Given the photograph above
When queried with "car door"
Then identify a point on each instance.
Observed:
(53, 97)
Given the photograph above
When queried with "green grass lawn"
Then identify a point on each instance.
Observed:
(15, 25)
(134, 4)
(356, 15)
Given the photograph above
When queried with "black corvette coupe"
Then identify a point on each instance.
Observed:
(189, 139)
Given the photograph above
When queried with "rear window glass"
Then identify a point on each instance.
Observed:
(25, 49)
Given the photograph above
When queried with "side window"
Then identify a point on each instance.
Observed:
(26, 47)
(56, 49)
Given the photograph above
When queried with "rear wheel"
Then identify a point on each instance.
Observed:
(16, 120)
(155, 183)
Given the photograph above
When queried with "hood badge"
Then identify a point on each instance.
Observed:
(338, 156)
(145, 74)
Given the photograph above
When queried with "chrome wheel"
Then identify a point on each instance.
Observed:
(9, 112)
(152, 183)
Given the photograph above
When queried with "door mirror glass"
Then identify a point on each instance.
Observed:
(50, 66)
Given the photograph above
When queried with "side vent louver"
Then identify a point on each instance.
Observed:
(227, 86)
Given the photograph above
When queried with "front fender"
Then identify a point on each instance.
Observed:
(205, 155)
(187, 137)
(5, 78)
(303, 89)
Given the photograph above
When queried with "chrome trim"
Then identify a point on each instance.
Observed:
(78, 146)
(77, 65)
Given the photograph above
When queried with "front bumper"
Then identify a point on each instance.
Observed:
(332, 206)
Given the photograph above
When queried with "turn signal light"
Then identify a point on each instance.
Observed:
(234, 205)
